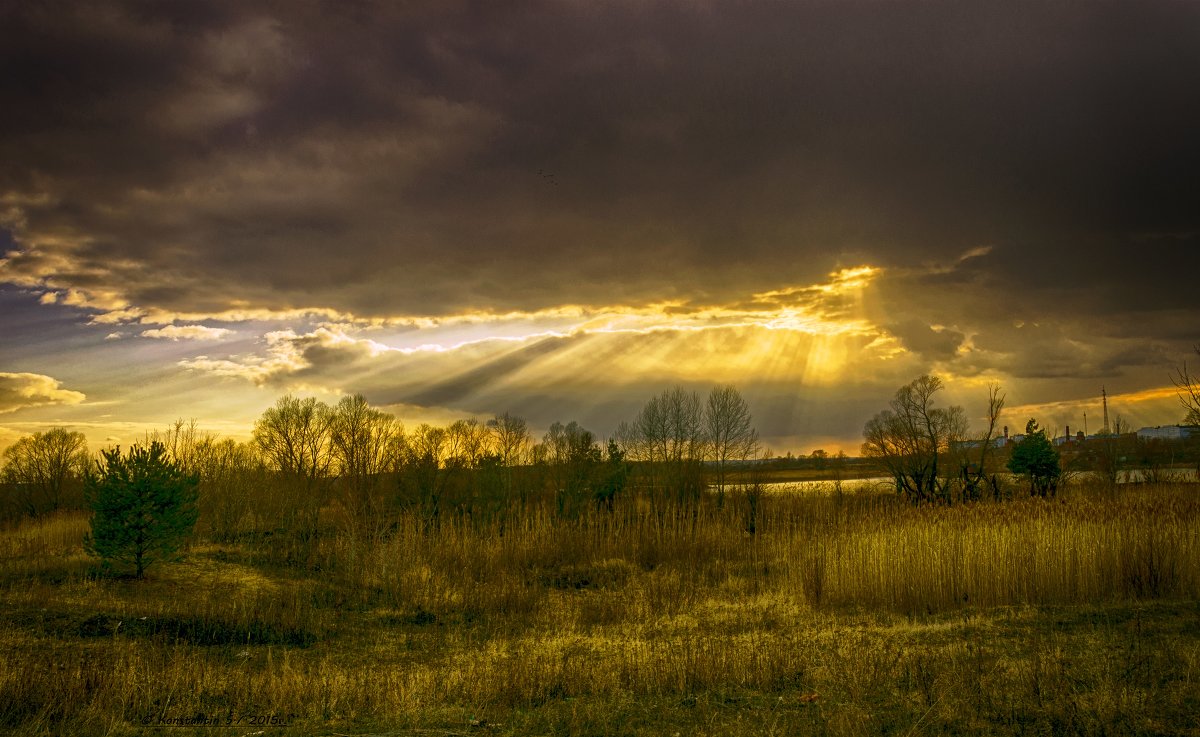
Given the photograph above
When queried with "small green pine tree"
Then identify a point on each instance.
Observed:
(144, 505)
(1036, 459)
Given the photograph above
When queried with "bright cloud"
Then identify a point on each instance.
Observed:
(750, 333)
(19, 391)
(289, 354)
(187, 332)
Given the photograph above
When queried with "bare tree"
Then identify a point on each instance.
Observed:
(1111, 452)
(646, 436)
(468, 450)
(574, 459)
(975, 473)
(911, 437)
(294, 436)
(429, 442)
(511, 439)
(366, 443)
(1188, 385)
(45, 467)
(667, 437)
(467, 442)
(511, 444)
(423, 480)
(686, 441)
(231, 475)
(754, 490)
(731, 438)
(185, 444)
(235, 488)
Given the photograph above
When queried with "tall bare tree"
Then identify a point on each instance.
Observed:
(975, 475)
(511, 444)
(1110, 453)
(911, 437)
(511, 439)
(423, 480)
(365, 443)
(45, 467)
(294, 436)
(1188, 385)
(184, 442)
(574, 458)
(731, 437)
(668, 438)
(467, 442)
(236, 488)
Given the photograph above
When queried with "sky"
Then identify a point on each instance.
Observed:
(559, 209)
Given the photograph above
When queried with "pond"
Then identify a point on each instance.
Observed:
(885, 483)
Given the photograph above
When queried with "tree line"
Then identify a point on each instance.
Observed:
(932, 457)
(306, 458)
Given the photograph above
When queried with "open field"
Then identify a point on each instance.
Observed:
(857, 615)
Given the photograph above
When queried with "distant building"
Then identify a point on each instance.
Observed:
(1067, 438)
(1168, 432)
(971, 444)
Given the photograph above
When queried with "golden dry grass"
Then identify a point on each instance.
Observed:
(846, 616)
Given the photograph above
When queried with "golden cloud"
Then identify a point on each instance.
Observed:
(289, 353)
(187, 332)
(805, 333)
(20, 391)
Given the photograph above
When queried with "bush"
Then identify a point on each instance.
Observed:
(144, 505)
(1037, 460)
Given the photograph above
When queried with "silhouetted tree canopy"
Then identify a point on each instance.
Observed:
(42, 466)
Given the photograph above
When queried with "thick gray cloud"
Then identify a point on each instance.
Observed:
(434, 157)
(933, 343)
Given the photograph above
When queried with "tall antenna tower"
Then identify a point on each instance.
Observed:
(1104, 397)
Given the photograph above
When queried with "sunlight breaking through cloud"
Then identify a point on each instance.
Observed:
(829, 313)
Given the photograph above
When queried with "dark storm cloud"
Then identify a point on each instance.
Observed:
(431, 158)
(933, 343)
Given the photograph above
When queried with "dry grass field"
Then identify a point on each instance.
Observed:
(846, 615)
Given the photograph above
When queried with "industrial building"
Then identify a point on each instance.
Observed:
(1168, 432)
